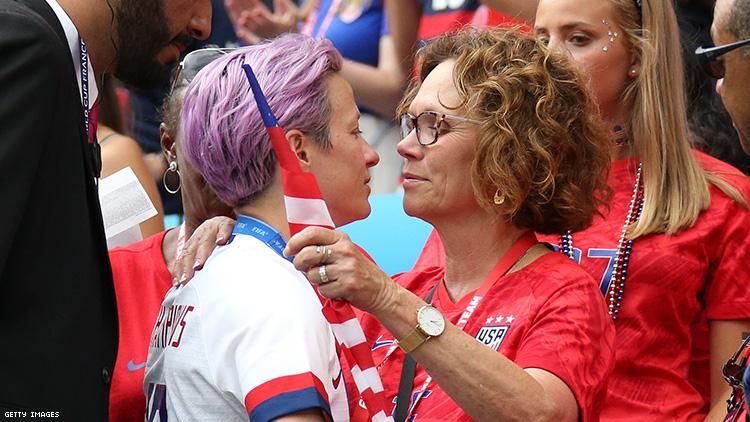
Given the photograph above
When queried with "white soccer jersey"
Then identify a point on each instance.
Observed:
(245, 338)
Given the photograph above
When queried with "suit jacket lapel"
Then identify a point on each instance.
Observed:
(68, 74)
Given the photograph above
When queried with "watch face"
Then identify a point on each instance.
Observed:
(431, 321)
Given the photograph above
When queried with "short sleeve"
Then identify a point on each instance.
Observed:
(276, 353)
(569, 325)
(728, 284)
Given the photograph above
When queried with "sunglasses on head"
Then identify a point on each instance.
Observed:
(193, 62)
(709, 57)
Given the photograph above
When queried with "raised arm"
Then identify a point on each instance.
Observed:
(524, 10)
(253, 21)
(403, 20)
(484, 383)
(378, 88)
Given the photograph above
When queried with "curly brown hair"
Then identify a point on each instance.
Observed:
(541, 144)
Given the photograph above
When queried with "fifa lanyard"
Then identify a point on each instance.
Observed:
(516, 252)
(85, 87)
(90, 137)
(251, 226)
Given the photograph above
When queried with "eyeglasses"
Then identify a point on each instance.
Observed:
(427, 124)
(193, 62)
(709, 55)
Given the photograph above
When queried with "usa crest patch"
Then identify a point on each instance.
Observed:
(492, 335)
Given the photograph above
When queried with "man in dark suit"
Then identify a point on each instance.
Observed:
(58, 322)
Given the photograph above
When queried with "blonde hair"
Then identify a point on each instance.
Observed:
(676, 186)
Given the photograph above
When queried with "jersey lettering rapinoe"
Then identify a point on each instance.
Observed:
(245, 338)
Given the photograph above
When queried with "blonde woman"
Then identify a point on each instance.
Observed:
(671, 250)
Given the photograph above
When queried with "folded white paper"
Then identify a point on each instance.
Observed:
(125, 204)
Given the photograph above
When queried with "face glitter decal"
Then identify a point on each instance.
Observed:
(611, 34)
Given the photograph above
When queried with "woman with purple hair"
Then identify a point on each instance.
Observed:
(216, 352)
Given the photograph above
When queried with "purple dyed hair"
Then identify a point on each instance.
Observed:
(223, 134)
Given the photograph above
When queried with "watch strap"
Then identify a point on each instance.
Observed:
(413, 340)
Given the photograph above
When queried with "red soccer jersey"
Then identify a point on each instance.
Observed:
(442, 16)
(141, 280)
(675, 285)
(547, 315)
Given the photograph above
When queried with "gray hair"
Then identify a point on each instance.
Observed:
(739, 22)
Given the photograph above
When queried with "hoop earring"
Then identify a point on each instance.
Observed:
(499, 198)
(172, 168)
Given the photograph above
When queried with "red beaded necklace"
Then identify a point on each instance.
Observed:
(624, 247)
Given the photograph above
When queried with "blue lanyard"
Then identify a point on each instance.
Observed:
(85, 86)
(250, 226)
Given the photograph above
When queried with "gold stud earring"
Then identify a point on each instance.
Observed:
(499, 198)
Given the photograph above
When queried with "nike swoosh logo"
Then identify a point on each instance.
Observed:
(337, 380)
(132, 367)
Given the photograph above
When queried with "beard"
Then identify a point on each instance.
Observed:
(141, 32)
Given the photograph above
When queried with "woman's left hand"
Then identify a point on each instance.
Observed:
(340, 269)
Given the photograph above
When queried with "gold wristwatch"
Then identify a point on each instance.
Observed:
(430, 323)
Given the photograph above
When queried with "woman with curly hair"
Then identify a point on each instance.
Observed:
(670, 252)
(500, 142)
